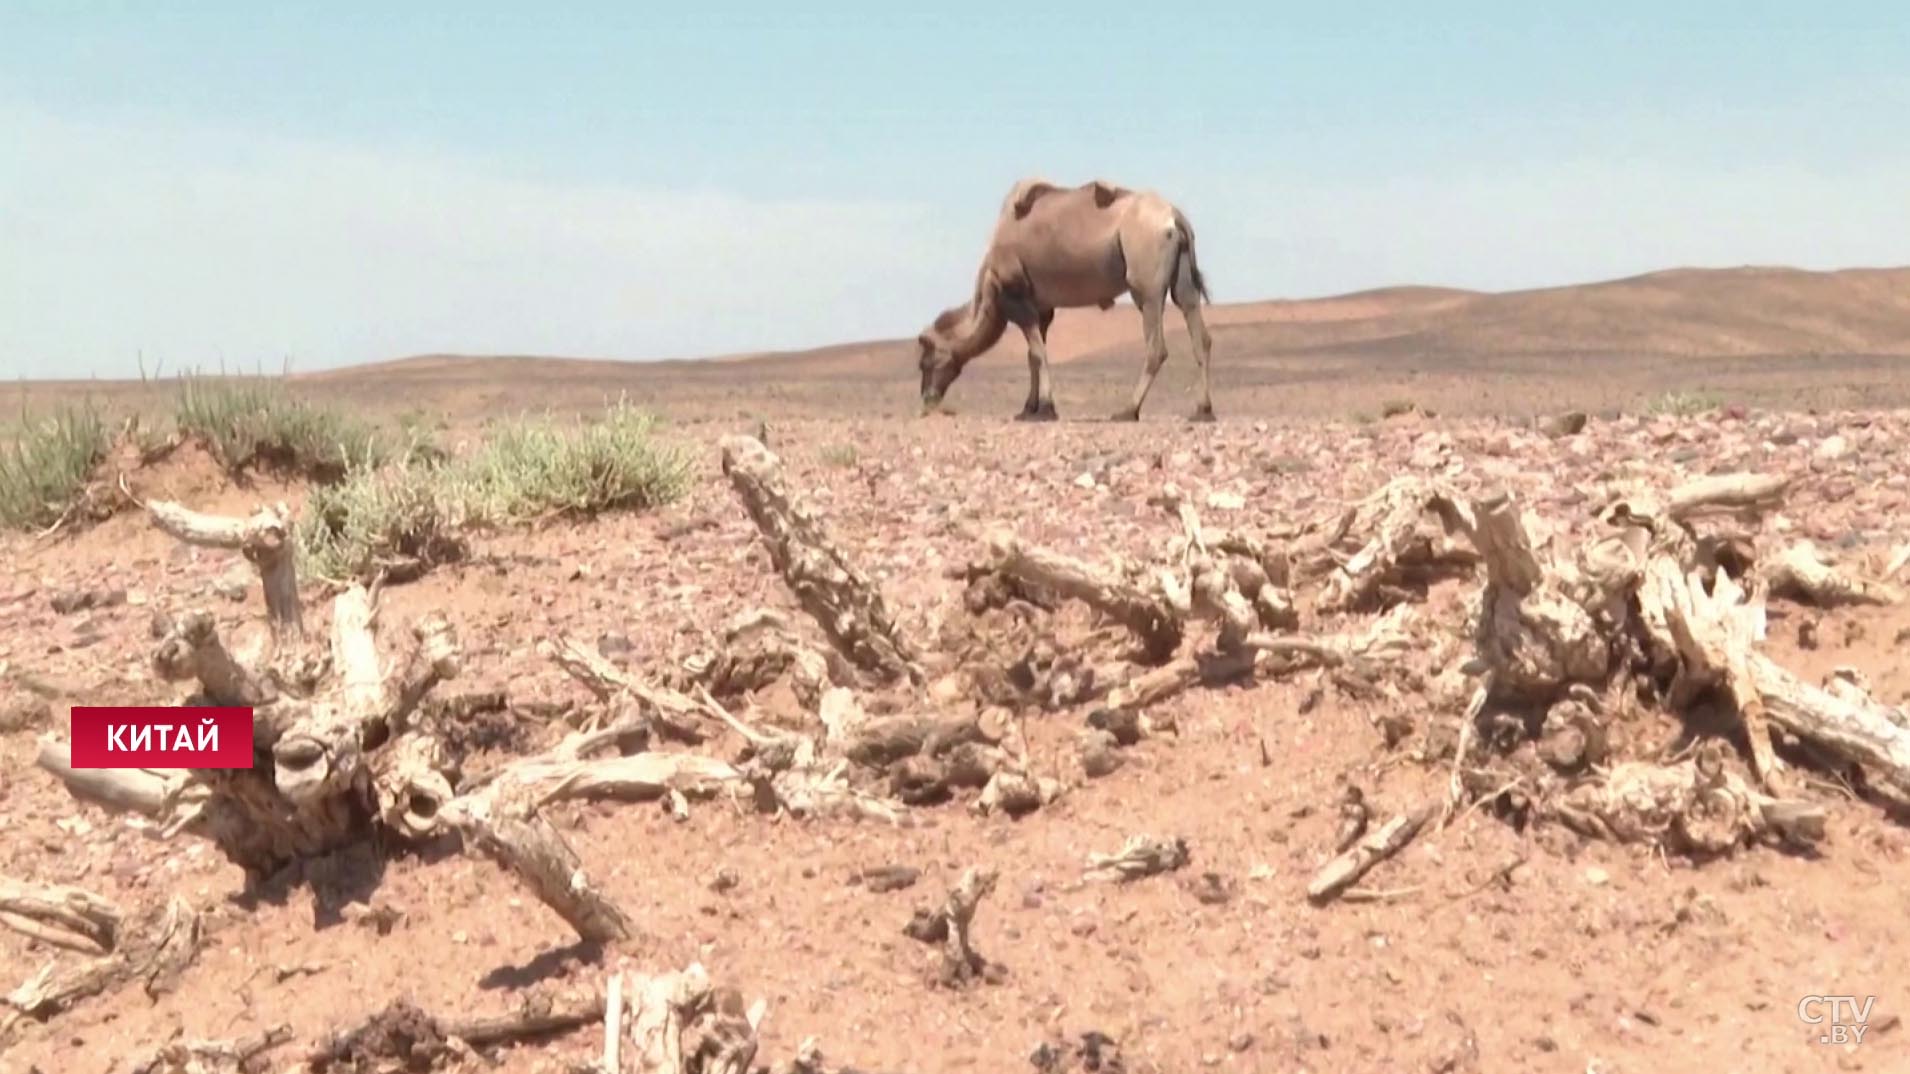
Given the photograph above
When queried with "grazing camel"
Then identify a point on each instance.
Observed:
(1059, 247)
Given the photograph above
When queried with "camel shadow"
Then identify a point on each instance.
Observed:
(547, 965)
(336, 880)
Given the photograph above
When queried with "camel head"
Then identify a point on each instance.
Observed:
(937, 358)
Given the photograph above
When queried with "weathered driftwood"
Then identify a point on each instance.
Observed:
(847, 605)
(1738, 494)
(192, 651)
(147, 792)
(950, 924)
(1146, 612)
(318, 792)
(1531, 635)
(1388, 538)
(1375, 846)
(266, 539)
(1695, 806)
(679, 1024)
(1707, 637)
(152, 950)
(237, 1056)
(1385, 643)
(67, 917)
(1232, 588)
(674, 714)
(758, 649)
(401, 1033)
(1196, 669)
(502, 821)
(884, 740)
(413, 777)
(1801, 572)
(1140, 856)
(613, 1026)
(1845, 723)
(1712, 632)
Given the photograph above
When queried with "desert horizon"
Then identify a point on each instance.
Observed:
(1767, 336)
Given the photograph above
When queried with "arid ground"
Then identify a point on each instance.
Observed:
(1486, 945)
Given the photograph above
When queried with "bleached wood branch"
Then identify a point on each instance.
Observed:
(845, 603)
(266, 538)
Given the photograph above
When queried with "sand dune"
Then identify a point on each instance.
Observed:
(1738, 312)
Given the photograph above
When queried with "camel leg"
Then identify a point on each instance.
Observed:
(1040, 405)
(1039, 373)
(1152, 315)
(1187, 297)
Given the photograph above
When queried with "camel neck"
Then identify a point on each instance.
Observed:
(978, 330)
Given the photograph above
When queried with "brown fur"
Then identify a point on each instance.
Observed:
(1059, 247)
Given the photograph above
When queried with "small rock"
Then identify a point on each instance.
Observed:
(615, 647)
(1212, 889)
(1561, 425)
(235, 583)
(1098, 754)
(1240, 1042)
(1226, 501)
(1086, 481)
(1597, 877)
(882, 879)
(725, 880)
(78, 600)
(24, 712)
(1832, 449)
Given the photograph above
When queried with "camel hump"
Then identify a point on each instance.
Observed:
(1021, 200)
(1025, 193)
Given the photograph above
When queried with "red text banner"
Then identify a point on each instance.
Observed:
(161, 736)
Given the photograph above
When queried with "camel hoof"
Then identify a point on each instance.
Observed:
(1202, 415)
(1040, 413)
(1131, 414)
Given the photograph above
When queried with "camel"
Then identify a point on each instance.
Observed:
(1066, 247)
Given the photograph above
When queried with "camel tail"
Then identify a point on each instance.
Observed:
(1187, 259)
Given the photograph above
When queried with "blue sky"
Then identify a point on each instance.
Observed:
(336, 183)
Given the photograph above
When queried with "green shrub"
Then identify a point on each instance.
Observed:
(45, 466)
(535, 468)
(408, 514)
(256, 424)
(394, 517)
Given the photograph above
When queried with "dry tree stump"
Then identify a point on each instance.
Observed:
(317, 715)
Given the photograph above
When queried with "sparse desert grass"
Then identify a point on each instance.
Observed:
(840, 456)
(255, 423)
(45, 463)
(398, 516)
(411, 511)
(1683, 404)
(536, 468)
